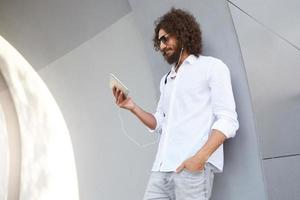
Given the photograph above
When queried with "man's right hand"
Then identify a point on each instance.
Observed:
(127, 103)
(122, 101)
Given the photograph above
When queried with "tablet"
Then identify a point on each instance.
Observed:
(114, 81)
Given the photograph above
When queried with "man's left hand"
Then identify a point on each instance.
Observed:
(193, 164)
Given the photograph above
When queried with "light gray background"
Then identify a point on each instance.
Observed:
(74, 45)
(268, 33)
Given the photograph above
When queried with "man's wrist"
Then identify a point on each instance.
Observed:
(202, 156)
(134, 109)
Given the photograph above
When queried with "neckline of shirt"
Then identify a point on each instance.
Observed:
(190, 59)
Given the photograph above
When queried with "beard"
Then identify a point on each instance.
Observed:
(173, 57)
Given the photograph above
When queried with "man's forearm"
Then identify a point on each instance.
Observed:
(147, 118)
(215, 140)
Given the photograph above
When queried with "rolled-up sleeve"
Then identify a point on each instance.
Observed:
(223, 103)
(159, 114)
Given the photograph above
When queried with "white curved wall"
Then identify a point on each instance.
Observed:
(4, 157)
(47, 167)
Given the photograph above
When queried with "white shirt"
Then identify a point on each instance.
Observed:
(197, 100)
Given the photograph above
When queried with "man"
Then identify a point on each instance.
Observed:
(195, 113)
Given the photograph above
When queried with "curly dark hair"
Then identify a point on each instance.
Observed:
(184, 26)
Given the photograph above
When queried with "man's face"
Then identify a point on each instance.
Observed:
(168, 45)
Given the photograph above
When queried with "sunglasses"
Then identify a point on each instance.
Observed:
(163, 39)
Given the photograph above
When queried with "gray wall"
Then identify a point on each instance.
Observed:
(43, 30)
(113, 161)
(75, 45)
(268, 33)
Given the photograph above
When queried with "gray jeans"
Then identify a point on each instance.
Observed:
(184, 185)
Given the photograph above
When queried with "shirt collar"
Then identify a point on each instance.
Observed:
(190, 59)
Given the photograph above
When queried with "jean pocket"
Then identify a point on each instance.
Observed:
(193, 172)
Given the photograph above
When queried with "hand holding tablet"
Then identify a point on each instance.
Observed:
(121, 92)
(115, 82)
